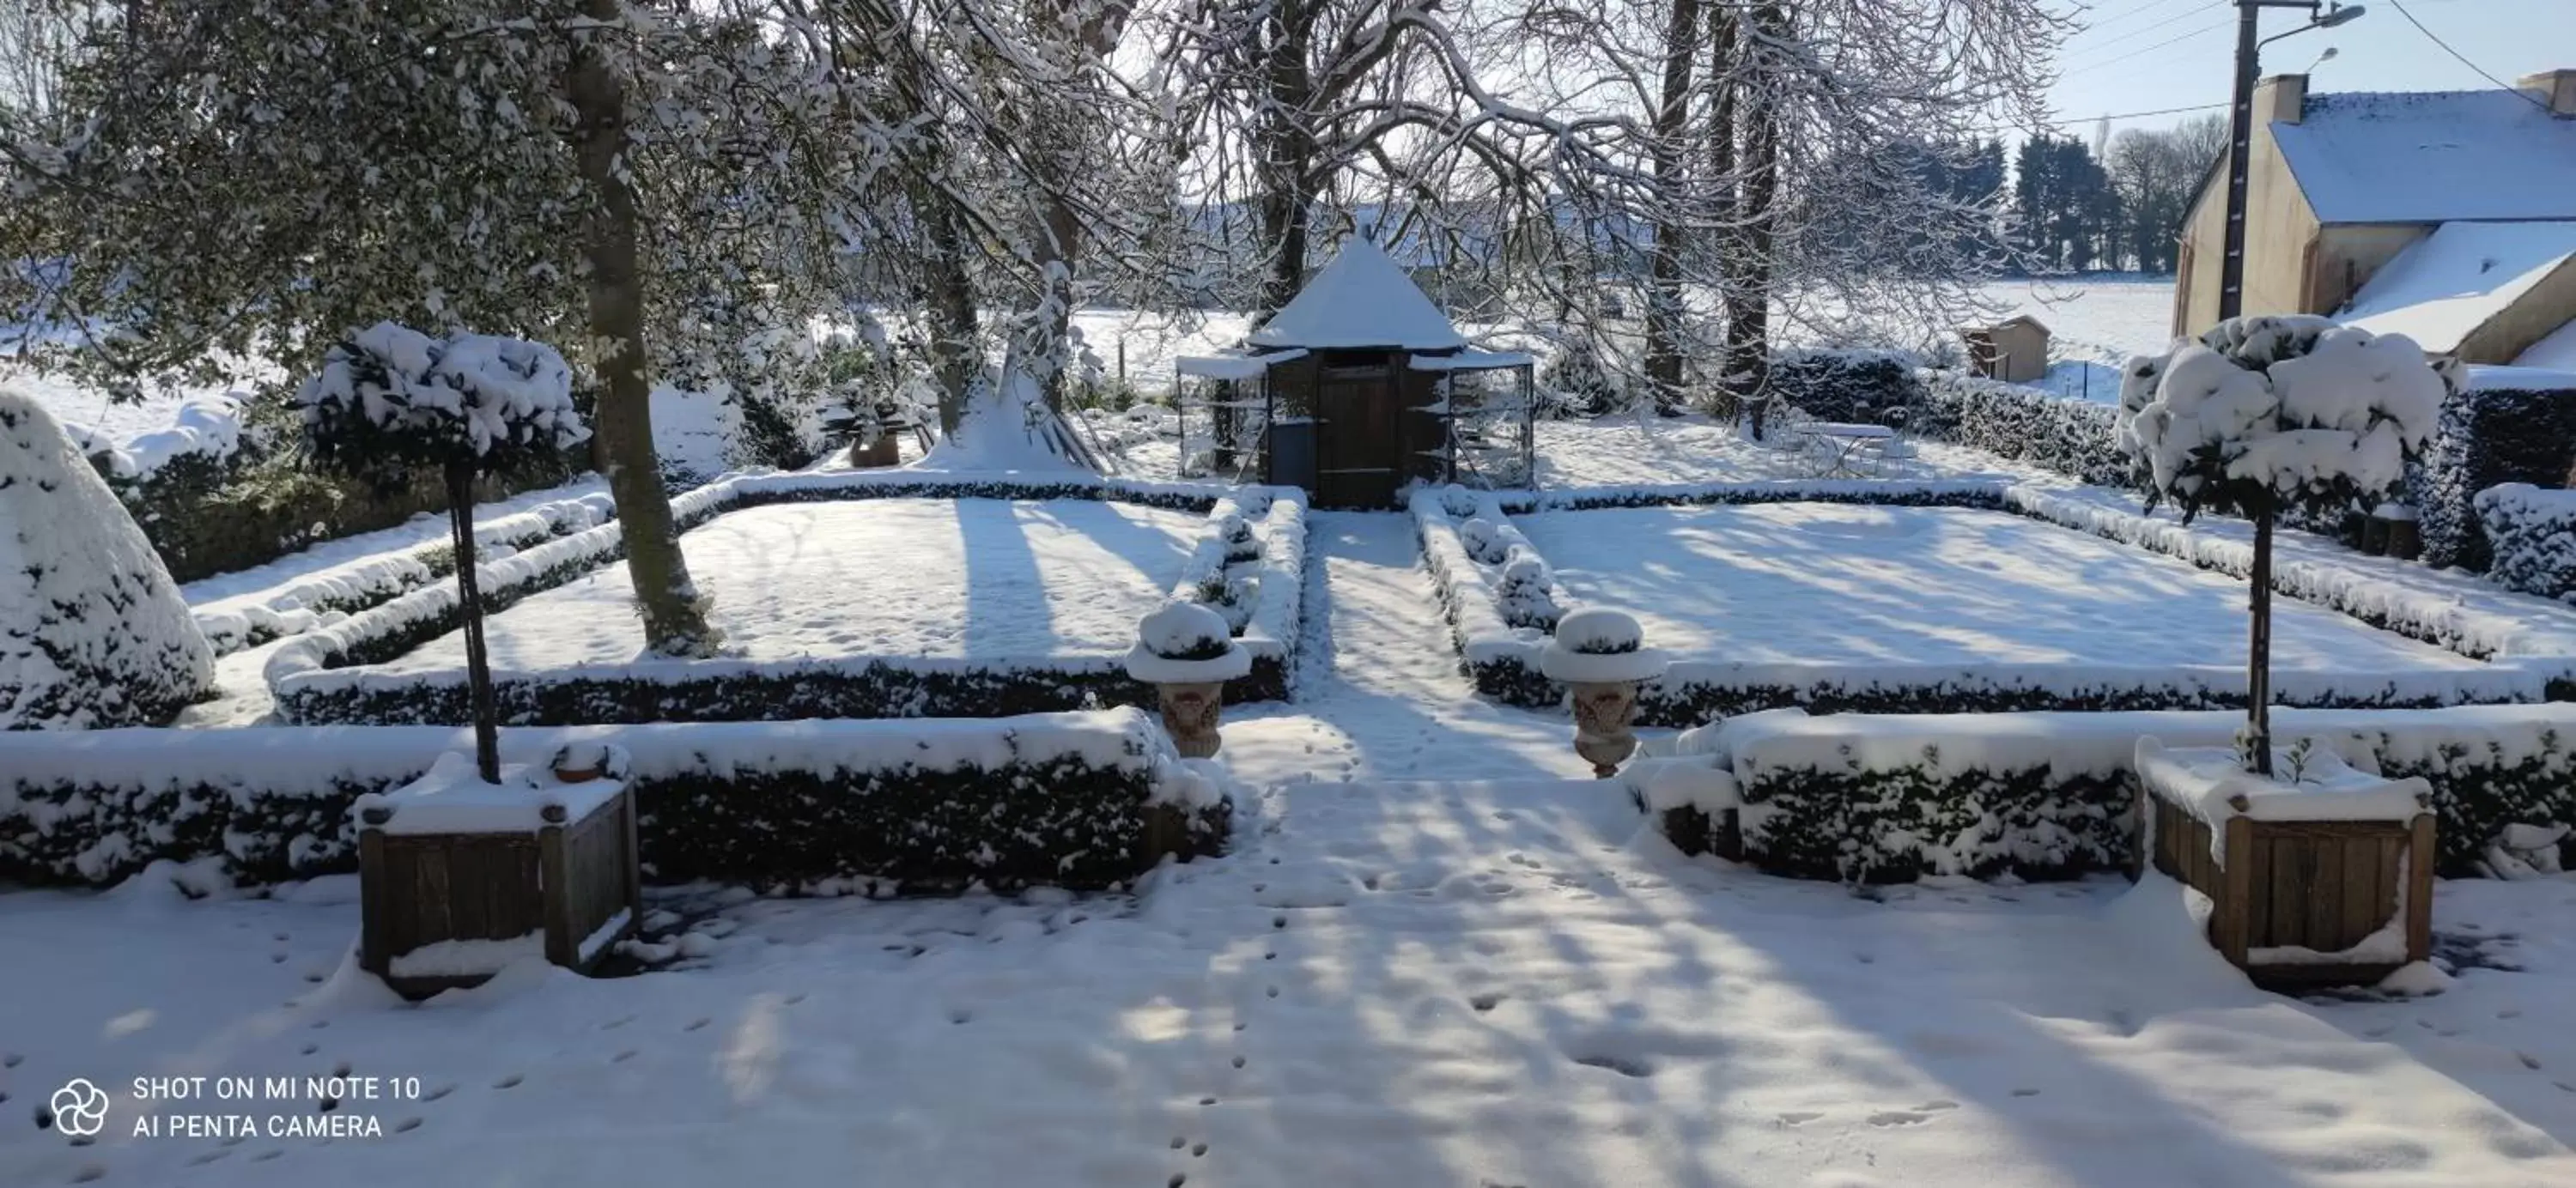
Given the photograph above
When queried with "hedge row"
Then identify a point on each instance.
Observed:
(323, 678)
(2487, 437)
(2536, 644)
(1077, 800)
(2532, 536)
(210, 513)
(1860, 798)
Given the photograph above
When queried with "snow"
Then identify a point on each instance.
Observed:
(978, 579)
(1181, 631)
(1144, 665)
(208, 425)
(2210, 783)
(2455, 280)
(2431, 157)
(451, 797)
(467, 958)
(1471, 361)
(92, 629)
(2490, 377)
(2556, 352)
(1232, 367)
(475, 388)
(1816, 584)
(1423, 983)
(1360, 299)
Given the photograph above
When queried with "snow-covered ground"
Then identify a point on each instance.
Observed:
(1643, 449)
(1829, 583)
(876, 577)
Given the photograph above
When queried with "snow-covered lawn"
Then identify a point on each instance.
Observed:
(877, 577)
(1388, 985)
(1832, 583)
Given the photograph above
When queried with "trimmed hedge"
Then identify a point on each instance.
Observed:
(1077, 800)
(2532, 533)
(2071, 437)
(1849, 386)
(321, 677)
(1503, 662)
(2487, 437)
(1858, 798)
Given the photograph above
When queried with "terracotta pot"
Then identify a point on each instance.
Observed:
(1190, 713)
(1603, 711)
(576, 775)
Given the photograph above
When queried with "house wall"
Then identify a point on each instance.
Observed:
(2024, 351)
(2535, 316)
(2349, 254)
(2287, 259)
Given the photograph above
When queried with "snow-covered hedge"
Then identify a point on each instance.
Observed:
(2487, 437)
(2045, 795)
(248, 620)
(1077, 799)
(2071, 437)
(93, 632)
(2532, 533)
(322, 677)
(1250, 568)
(1876, 387)
(2531, 647)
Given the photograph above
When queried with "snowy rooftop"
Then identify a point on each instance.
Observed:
(1361, 299)
(2556, 352)
(2456, 279)
(2431, 157)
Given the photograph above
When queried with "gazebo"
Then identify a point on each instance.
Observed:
(1358, 386)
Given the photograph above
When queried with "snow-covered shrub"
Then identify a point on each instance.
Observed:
(1526, 594)
(1075, 800)
(1458, 501)
(1486, 544)
(1874, 387)
(2072, 437)
(2273, 413)
(1184, 631)
(1240, 544)
(92, 630)
(2487, 437)
(393, 397)
(2532, 533)
(1572, 378)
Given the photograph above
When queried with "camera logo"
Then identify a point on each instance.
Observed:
(80, 1108)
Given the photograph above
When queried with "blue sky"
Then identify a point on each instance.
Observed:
(2147, 55)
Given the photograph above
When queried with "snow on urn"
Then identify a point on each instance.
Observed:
(1186, 652)
(1601, 655)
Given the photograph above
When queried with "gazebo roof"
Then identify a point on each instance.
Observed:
(1361, 299)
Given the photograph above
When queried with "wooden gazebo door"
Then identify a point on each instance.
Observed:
(1360, 443)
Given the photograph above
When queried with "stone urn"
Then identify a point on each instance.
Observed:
(1184, 650)
(1601, 656)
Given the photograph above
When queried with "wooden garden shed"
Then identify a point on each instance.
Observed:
(1358, 386)
(2014, 350)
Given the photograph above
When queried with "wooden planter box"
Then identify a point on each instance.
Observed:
(887, 450)
(443, 908)
(2320, 885)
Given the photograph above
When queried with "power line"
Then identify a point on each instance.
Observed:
(2157, 27)
(2089, 67)
(2117, 115)
(2143, 8)
(2463, 58)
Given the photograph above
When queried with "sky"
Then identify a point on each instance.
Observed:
(2150, 55)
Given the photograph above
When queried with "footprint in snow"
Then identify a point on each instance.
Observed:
(509, 1082)
(1486, 1002)
(698, 1023)
(1800, 1117)
(438, 1091)
(1913, 1117)
(2528, 1060)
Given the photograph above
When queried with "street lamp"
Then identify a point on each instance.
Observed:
(2240, 140)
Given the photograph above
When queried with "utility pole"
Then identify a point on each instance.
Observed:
(2240, 138)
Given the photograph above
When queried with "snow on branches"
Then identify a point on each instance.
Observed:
(93, 633)
(391, 394)
(2279, 411)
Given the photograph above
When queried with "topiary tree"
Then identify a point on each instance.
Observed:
(93, 632)
(392, 396)
(2271, 413)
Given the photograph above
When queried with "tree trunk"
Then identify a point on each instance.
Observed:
(1723, 81)
(2258, 648)
(1664, 301)
(674, 618)
(956, 338)
(1285, 156)
(469, 601)
(1748, 323)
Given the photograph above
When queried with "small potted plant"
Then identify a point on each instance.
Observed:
(1185, 651)
(1601, 656)
(582, 762)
